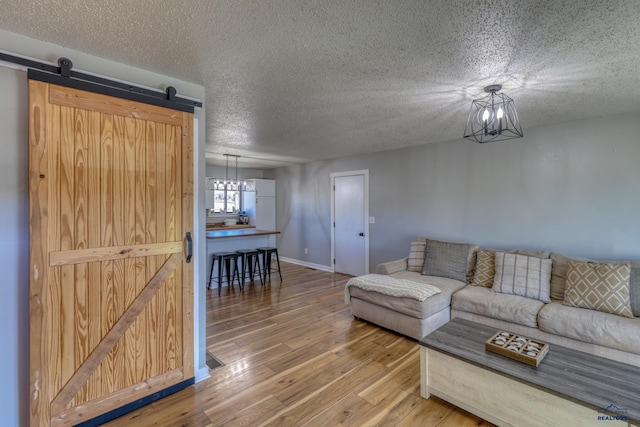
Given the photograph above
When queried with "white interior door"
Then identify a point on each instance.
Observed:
(351, 240)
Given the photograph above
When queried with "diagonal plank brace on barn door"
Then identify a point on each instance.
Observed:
(89, 82)
(78, 379)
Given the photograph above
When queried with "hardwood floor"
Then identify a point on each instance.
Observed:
(293, 355)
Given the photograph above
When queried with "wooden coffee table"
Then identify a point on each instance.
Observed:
(568, 388)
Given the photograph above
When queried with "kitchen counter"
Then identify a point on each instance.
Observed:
(238, 232)
(229, 240)
(221, 226)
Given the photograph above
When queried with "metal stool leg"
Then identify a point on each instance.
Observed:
(220, 263)
(266, 261)
(231, 266)
(256, 262)
(250, 266)
(224, 263)
(278, 261)
(268, 265)
(227, 264)
(264, 264)
(213, 262)
(243, 262)
(237, 274)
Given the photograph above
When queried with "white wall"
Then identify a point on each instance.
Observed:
(572, 187)
(14, 220)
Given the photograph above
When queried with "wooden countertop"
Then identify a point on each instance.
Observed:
(221, 226)
(242, 232)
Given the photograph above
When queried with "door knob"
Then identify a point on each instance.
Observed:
(361, 234)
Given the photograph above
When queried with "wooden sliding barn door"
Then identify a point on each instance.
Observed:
(111, 291)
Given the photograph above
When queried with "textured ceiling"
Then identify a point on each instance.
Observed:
(294, 81)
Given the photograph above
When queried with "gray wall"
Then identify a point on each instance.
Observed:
(14, 248)
(14, 214)
(571, 187)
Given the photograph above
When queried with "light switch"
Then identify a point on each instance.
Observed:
(372, 220)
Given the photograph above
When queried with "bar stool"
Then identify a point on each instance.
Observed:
(224, 260)
(266, 252)
(250, 258)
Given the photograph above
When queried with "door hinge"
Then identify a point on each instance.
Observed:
(334, 188)
(334, 224)
(334, 260)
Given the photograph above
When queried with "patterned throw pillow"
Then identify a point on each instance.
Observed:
(416, 256)
(485, 269)
(599, 286)
(446, 259)
(523, 275)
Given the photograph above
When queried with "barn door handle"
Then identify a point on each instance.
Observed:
(189, 247)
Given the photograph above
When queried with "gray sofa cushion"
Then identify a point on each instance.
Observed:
(591, 326)
(471, 258)
(409, 306)
(634, 291)
(511, 308)
(447, 259)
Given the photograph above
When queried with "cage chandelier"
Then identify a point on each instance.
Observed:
(229, 184)
(493, 118)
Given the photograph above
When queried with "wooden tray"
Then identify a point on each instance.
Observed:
(517, 347)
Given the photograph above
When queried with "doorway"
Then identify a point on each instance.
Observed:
(350, 220)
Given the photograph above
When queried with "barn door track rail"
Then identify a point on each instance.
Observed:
(63, 75)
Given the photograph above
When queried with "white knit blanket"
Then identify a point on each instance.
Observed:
(391, 286)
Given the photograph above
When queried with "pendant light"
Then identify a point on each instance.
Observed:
(493, 118)
(227, 184)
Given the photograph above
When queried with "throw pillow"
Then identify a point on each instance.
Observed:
(523, 275)
(415, 262)
(446, 259)
(559, 273)
(634, 291)
(599, 286)
(485, 269)
(561, 265)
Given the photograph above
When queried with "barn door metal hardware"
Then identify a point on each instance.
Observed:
(65, 67)
(64, 75)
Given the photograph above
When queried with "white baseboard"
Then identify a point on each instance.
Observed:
(308, 264)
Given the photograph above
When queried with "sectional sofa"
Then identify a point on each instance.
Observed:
(588, 305)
